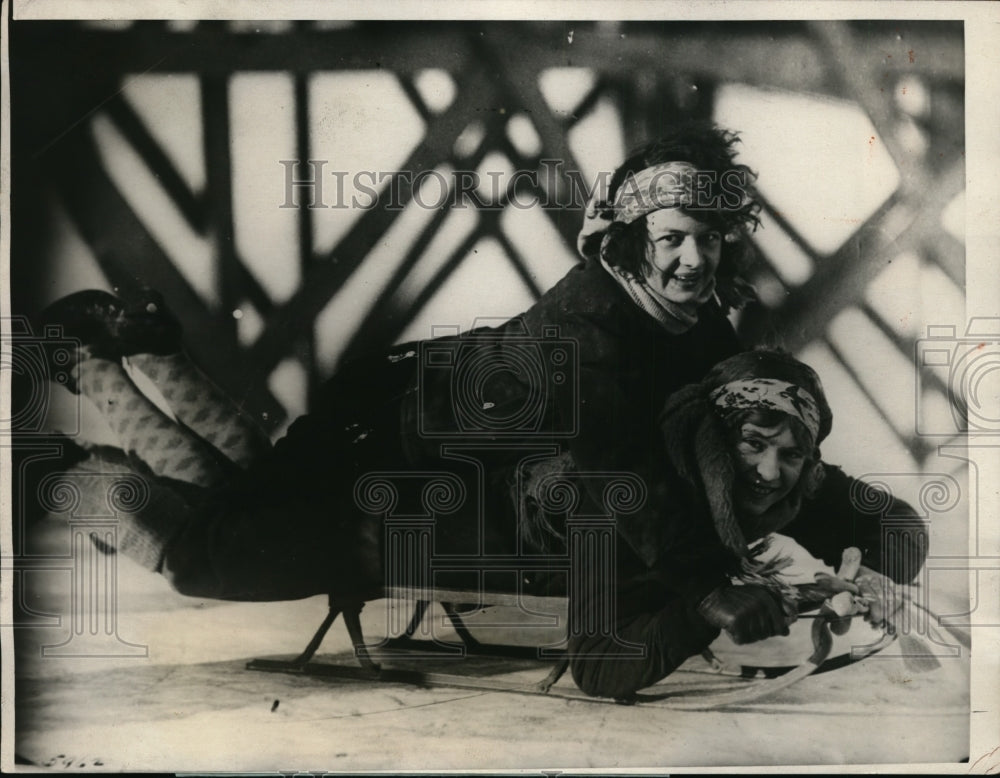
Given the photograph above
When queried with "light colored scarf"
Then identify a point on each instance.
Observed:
(676, 318)
(668, 185)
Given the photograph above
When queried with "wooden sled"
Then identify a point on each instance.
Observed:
(696, 697)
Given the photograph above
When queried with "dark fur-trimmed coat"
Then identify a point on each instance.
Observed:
(657, 607)
(289, 526)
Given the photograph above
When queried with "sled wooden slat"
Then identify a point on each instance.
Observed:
(475, 597)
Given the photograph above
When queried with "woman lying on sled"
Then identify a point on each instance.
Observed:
(643, 315)
(744, 465)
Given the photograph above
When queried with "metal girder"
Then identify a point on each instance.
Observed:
(495, 65)
(131, 258)
(191, 205)
(219, 197)
(840, 280)
(328, 274)
(739, 51)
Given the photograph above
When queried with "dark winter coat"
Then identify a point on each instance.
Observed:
(598, 371)
(656, 608)
(583, 369)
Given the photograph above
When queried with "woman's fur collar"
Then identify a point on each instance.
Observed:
(698, 446)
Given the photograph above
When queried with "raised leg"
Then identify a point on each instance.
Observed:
(167, 448)
(203, 407)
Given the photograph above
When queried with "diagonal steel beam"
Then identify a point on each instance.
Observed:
(373, 332)
(520, 266)
(131, 258)
(860, 72)
(329, 274)
(841, 279)
(382, 320)
(436, 282)
(915, 444)
(190, 204)
(517, 82)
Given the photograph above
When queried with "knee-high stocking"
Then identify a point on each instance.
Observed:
(168, 449)
(203, 407)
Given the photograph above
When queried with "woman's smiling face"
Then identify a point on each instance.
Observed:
(769, 462)
(682, 256)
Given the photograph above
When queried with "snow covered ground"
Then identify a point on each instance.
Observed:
(172, 693)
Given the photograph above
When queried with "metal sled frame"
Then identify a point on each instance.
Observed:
(449, 599)
(690, 698)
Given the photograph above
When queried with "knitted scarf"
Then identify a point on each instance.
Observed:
(676, 318)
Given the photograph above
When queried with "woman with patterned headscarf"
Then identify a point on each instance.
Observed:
(742, 464)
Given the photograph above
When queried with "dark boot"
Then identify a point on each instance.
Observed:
(104, 327)
(148, 327)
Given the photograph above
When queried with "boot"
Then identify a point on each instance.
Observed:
(106, 328)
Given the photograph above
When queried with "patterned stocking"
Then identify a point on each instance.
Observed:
(142, 512)
(203, 407)
(168, 449)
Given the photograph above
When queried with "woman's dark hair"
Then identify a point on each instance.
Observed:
(709, 149)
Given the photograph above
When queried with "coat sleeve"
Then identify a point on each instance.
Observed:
(848, 512)
(656, 631)
(662, 619)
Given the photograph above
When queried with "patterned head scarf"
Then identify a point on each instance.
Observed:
(699, 443)
(769, 394)
(667, 185)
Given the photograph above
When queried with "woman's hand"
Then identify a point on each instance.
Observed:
(748, 613)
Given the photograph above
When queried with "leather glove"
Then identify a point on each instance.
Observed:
(748, 613)
(879, 592)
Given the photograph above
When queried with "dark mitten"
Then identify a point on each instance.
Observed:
(748, 613)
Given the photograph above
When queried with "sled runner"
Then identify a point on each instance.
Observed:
(735, 684)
